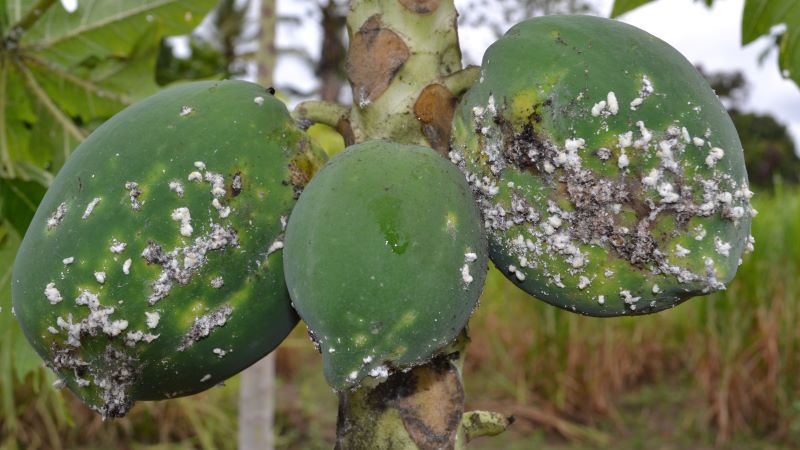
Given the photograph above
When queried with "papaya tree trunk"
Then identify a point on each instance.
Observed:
(257, 388)
(404, 67)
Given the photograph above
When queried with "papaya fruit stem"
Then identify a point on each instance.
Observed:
(475, 424)
(332, 114)
(460, 81)
(417, 409)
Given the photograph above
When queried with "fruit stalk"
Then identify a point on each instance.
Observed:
(418, 409)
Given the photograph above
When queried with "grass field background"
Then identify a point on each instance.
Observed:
(721, 371)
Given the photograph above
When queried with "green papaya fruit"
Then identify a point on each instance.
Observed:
(610, 177)
(385, 259)
(151, 269)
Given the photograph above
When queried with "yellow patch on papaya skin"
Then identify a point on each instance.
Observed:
(407, 319)
(197, 308)
(242, 296)
(523, 105)
(451, 223)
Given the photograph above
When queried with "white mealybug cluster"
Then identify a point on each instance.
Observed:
(186, 110)
(723, 248)
(217, 182)
(518, 273)
(379, 372)
(98, 320)
(646, 91)
(204, 325)
(183, 216)
(180, 264)
(176, 187)
(223, 211)
(681, 251)
(466, 277)
(52, 294)
(607, 107)
(117, 246)
(152, 319)
(90, 208)
(133, 191)
(616, 200)
(623, 161)
(57, 217)
(629, 299)
(714, 155)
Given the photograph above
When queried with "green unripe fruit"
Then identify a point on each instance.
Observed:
(610, 177)
(150, 269)
(385, 259)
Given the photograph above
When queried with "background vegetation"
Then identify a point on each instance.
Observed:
(721, 371)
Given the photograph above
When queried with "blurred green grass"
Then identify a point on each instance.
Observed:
(721, 371)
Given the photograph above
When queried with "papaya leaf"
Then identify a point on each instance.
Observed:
(62, 74)
(623, 6)
(789, 56)
(9, 242)
(760, 16)
(26, 360)
(18, 202)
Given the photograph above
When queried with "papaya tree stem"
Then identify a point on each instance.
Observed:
(404, 67)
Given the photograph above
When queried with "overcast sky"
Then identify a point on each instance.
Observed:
(712, 38)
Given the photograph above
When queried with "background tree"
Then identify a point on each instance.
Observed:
(769, 150)
(257, 389)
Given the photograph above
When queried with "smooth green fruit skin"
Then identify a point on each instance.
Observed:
(543, 78)
(374, 255)
(232, 127)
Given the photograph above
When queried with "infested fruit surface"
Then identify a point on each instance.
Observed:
(152, 267)
(385, 259)
(610, 177)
